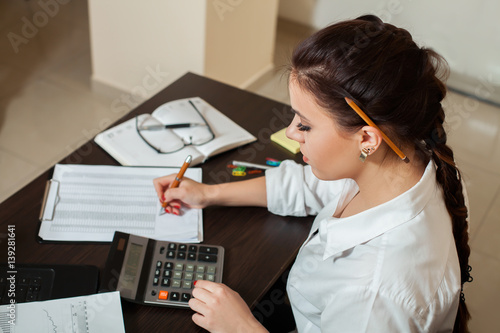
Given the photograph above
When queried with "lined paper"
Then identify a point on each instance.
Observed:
(92, 202)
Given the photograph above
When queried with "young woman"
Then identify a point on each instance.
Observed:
(388, 250)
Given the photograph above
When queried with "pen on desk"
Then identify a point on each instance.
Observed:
(179, 176)
(173, 126)
(251, 165)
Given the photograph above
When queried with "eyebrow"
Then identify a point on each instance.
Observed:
(299, 114)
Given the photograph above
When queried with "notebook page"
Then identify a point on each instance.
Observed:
(90, 314)
(95, 201)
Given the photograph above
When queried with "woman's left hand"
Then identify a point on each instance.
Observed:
(220, 309)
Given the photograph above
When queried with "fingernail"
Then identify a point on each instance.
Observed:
(194, 283)
(163, 197)
(168, 209)
(175, 213)
(176, 205)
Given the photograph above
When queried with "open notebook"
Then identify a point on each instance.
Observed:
(91, 202)
(125, 144)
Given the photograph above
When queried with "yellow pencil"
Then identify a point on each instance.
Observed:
(179, 176)
(371, 123)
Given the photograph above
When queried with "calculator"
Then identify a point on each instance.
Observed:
(161, 273)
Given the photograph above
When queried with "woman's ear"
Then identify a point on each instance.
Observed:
(371, 139)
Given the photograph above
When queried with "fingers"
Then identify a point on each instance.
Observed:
(161, 184)
(174, 194)
(173, 207)
(220, 309)
(204, 299)
(208, 285)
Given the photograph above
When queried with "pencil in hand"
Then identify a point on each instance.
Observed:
(177, 181)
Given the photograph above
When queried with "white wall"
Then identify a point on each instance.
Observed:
(466, 33)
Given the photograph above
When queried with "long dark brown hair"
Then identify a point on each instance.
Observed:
(398, 85)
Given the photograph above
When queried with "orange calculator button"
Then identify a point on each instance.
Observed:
(163, 294)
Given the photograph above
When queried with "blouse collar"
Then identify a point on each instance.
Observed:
(340, 234)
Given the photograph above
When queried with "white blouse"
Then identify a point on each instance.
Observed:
(392, 268)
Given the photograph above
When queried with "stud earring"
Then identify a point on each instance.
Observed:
(365, 152)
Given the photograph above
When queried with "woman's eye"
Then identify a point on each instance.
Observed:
(303, 127)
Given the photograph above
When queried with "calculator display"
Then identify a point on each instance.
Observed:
(132, 265)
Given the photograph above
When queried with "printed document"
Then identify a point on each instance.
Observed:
(90, 203)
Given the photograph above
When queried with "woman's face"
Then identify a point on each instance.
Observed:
(332, 154)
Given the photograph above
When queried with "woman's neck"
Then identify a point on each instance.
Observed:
(382, 180)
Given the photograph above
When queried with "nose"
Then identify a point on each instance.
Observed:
(292, 132)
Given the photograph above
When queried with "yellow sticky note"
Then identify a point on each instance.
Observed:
(281, 139)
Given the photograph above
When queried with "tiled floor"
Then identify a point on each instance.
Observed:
(47, 109)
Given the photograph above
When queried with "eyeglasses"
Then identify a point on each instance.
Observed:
(371, 123)
(171, 130)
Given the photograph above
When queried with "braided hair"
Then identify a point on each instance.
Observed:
(397, 84)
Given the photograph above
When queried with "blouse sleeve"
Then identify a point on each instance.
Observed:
(292, 189)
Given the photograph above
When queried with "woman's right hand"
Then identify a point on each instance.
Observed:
(189, 193)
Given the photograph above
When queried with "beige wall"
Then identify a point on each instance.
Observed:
(140, 47)
(240, 40)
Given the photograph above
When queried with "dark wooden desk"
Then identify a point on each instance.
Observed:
(259, 245)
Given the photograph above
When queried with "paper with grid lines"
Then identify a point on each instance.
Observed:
(91, 202)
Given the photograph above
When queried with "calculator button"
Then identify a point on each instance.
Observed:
(191, 256)
(163, 294)
(162, 249)
(208, 250)
(182, 247)
(207, 258)
(172, 246)
(171, 254)
(177, 275)
(181, 255)
(200, 269)
(156, 280)
(176, 283)
(179, 267)
(158, 264)
(174, 296)
(211, 269)
(211, 277)
(199, 276)
(169, 265)
(187, 285)
(189, 268)
(193, 248)
(188, 276)
(185, 297)
(165, 282)
(167, 274)
(153, 292)
(157, 272)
